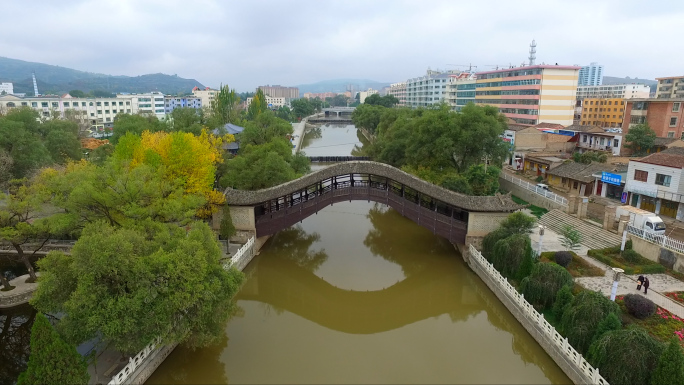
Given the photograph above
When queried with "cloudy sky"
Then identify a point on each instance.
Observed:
(250, 43)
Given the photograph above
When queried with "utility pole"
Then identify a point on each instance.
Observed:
(486, 158)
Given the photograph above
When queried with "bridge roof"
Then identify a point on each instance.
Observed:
(498, 203)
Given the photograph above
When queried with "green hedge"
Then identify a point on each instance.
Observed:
(643, 266)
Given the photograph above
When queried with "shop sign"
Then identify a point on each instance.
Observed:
(609, 178)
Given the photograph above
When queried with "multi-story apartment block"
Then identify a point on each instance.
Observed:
(97, 111)
(207, 95)
(664, 116)
(173, 102)
(398, 90)
(280, 91)
(364, 94)
(270, 101)
(150, 103)
(624, 91)
(426, 90)
(672, 87)
(591, 75)
(460, 90)
(6, 88)
(530, 94)
(603, 112)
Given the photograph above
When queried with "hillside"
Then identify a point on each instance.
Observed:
(607, 80)
(56, 80)
(340, 85)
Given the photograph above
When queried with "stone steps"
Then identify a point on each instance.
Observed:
(593, 236)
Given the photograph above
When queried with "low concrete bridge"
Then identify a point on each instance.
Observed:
(452, 215)
(338, 111)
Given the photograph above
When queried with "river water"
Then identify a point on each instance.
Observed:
(359, 294)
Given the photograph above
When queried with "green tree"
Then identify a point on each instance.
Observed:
(670, 369)
(581, 319)
(63, 145)
(640, 139)
(543, 284)
(262, 166)
(257, 106)
(302, 108)
(52, 361)
(562, 303)
(264, 128)
(227, 229)
(367, 116)
(610, 323)
(285, 113)
(21, 139)
(510, 253)
(187, 119)
(225, 108)
(626, 356)
(571, 238)
(483, 182)
(385, 101)
(131, 285)
(590, 156)
(77, 93)
(135, 124)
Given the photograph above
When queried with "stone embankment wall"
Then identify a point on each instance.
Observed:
(570, 361)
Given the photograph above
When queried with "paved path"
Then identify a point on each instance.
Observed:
(660, 283)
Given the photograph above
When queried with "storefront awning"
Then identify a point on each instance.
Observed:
(642, 188)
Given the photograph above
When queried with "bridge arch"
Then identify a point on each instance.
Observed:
(444, 212)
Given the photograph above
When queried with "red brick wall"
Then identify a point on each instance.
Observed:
(658, 117)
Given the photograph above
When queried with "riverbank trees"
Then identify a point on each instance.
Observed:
(453, 147)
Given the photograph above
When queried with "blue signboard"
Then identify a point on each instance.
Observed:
(623, 197)
(609, 178)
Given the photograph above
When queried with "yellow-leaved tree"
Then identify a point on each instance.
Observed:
(184, 158)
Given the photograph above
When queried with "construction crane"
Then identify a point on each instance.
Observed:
(470, 66)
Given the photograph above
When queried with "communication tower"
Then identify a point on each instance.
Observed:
(533, 52)
(35, 84)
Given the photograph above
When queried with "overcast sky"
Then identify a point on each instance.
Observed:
(249, 43)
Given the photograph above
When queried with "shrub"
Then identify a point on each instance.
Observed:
(655, 268)
(582, 318)
(563, 258)
(539, 179)
(563, 299)
(490, 240)
(632, 256)
(626, 356)
(611, 322)
(543, 284)
(571, 238)
(518, 223)
(639, 306)
(670, 369)
(628, 244)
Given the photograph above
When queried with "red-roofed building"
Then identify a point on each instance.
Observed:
(656, 183)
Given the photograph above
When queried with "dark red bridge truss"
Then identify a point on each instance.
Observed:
(441, 218)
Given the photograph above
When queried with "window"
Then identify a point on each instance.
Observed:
(675, 106)
(670, 134)
(91, 104)
(83, 104)
(673, 121)
(106, 103)
(663, 180)
(99, 103)
(574, 185)
(34, 104)
(584, 138)
(99, 112)
(113, 111)
(55, 104)
(106, 111)
(44, 104)
(92, 114)
(121, 103)
(66, 104)
(616, 143)
(641, 176)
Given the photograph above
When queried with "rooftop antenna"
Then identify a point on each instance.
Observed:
(35, 84)
(533, 52)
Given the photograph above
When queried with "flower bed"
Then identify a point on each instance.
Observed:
(676, 296)
(578, 267)
(612, 257)
(662, 325)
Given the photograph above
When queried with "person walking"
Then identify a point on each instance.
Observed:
(646, 284)
(640, 281)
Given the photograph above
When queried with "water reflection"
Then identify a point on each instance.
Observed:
(434, 323)
(15, 340)
(330, 140)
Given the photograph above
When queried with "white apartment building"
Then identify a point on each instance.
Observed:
(364, 94)
(207, 95)
(624, 91)
(460, 90)
(7, 88)
(270, 101)
(149, 103)
(398, 90)
(426, 90)
(97, 111)
(655, 183)
(173, 102)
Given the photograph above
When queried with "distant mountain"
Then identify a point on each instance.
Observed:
(341, 85)
(57, 80)
(607, 80)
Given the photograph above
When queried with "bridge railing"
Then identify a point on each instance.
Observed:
(549, 333)
(242, 256)
(532, 187)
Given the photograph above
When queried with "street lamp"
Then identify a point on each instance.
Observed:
(616, 277)
(541, 238)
